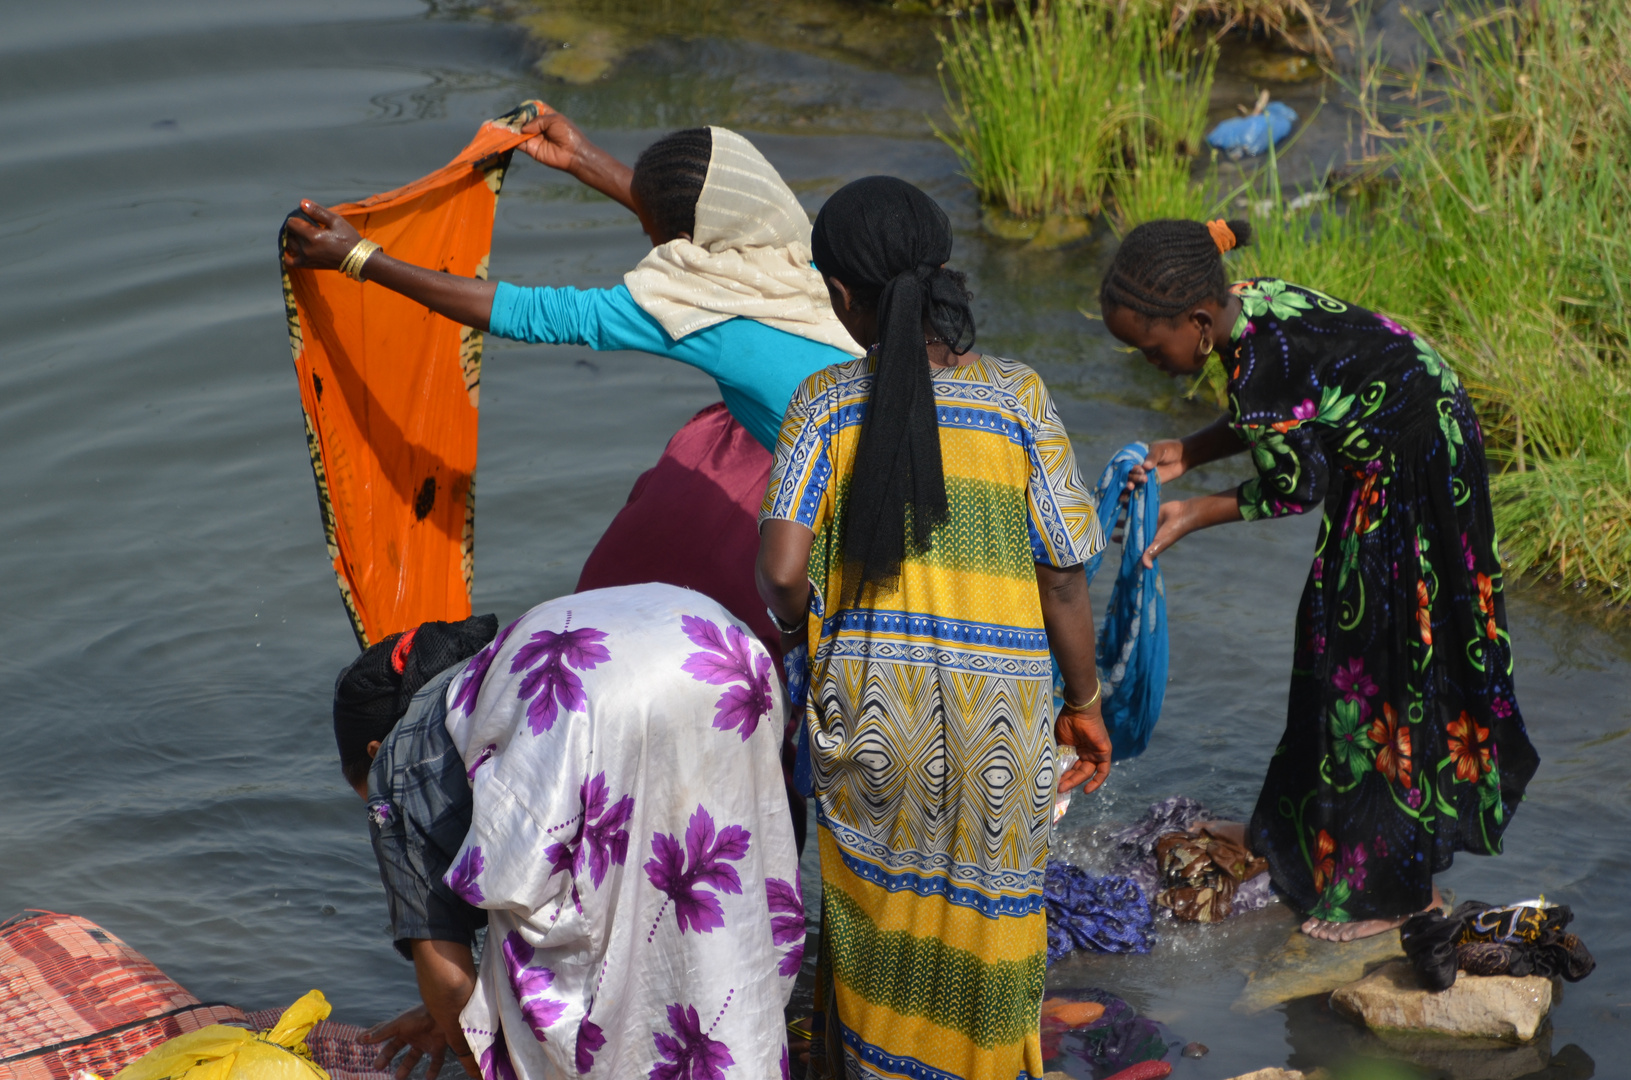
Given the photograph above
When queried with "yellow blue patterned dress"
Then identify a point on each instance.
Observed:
(930, 729)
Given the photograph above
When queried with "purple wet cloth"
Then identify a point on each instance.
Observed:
(1133, 849)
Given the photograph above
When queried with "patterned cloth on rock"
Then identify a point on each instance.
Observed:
(1403, 741)
(630, 841)
(1201, 871)
(1135, 851)
(930, 729)
(1520, 939)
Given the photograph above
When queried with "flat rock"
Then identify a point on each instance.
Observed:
(1270, 1074)
(1304, 966)
(1485, 1007)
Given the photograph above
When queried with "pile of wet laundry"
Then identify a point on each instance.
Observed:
(1177, 857)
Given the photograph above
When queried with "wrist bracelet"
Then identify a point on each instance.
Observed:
(1071, 706)
(351, 265)
(786, 628)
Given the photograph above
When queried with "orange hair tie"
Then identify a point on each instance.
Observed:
(1222, 235)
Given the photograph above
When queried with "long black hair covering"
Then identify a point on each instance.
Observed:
(888, 242)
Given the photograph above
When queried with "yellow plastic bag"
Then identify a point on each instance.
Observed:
(228, 1053)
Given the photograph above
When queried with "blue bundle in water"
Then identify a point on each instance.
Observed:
(1107, 914)
(1243, 136)
(1132, 646)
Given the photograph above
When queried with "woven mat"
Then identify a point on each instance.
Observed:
(73, 996)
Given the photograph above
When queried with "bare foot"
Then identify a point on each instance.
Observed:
(1353, 931)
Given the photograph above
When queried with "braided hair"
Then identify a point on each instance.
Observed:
(668, 178)
(888, 242)
(1166, 267)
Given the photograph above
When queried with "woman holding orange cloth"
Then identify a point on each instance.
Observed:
(727, 288)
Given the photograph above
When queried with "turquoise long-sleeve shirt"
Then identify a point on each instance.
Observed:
(756, 366)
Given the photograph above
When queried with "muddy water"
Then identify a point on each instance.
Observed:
(170, 630)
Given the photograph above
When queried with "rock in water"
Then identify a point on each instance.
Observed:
(1270, 1074)
(1487, 1007)
(1305, 965)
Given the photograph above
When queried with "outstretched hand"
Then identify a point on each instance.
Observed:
(556, 141)
(413, 1030)
(322, 246)
(1084, 729)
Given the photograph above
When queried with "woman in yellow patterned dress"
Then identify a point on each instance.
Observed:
(923, 532)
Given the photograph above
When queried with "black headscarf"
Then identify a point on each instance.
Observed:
(371, 695)
(887, 242)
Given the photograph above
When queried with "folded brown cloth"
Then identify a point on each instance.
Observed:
(1201, 870)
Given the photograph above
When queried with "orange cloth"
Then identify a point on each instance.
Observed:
(390, 393)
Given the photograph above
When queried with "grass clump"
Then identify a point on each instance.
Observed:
(1059, 105)
(1500, 229)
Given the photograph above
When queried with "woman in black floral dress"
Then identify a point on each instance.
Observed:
(1403, 740)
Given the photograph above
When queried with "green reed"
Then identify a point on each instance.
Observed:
(1036, 115)
(1057, 105)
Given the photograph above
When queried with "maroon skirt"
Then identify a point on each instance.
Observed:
(692, 520)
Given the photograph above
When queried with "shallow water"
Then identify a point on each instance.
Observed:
(170, 628)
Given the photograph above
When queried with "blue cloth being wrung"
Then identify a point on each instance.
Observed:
(1132, 646)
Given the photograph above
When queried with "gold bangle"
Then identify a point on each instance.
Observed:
(1071, 706)
(351, 265)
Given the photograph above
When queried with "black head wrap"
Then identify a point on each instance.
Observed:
(371, 695)
(887, 242)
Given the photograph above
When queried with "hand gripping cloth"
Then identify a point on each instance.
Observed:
(390, 393)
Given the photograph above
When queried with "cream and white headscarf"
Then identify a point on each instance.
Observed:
(749, 256)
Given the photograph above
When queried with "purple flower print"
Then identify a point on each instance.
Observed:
(481, 759)
(788, 926)
(688, 1054)
(1412, 798)
(1501, 707)
(475, 672)
(1379, 846)
(1393, 326)
(462, 878)
(552, 679)
(1306, 411)
(529, 984)
(687, 886)
(590, 1041)
(729, 659)
(1466, 552)
(495, 1061)
(601, 834)
(1351, 867)
(1354, 683)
